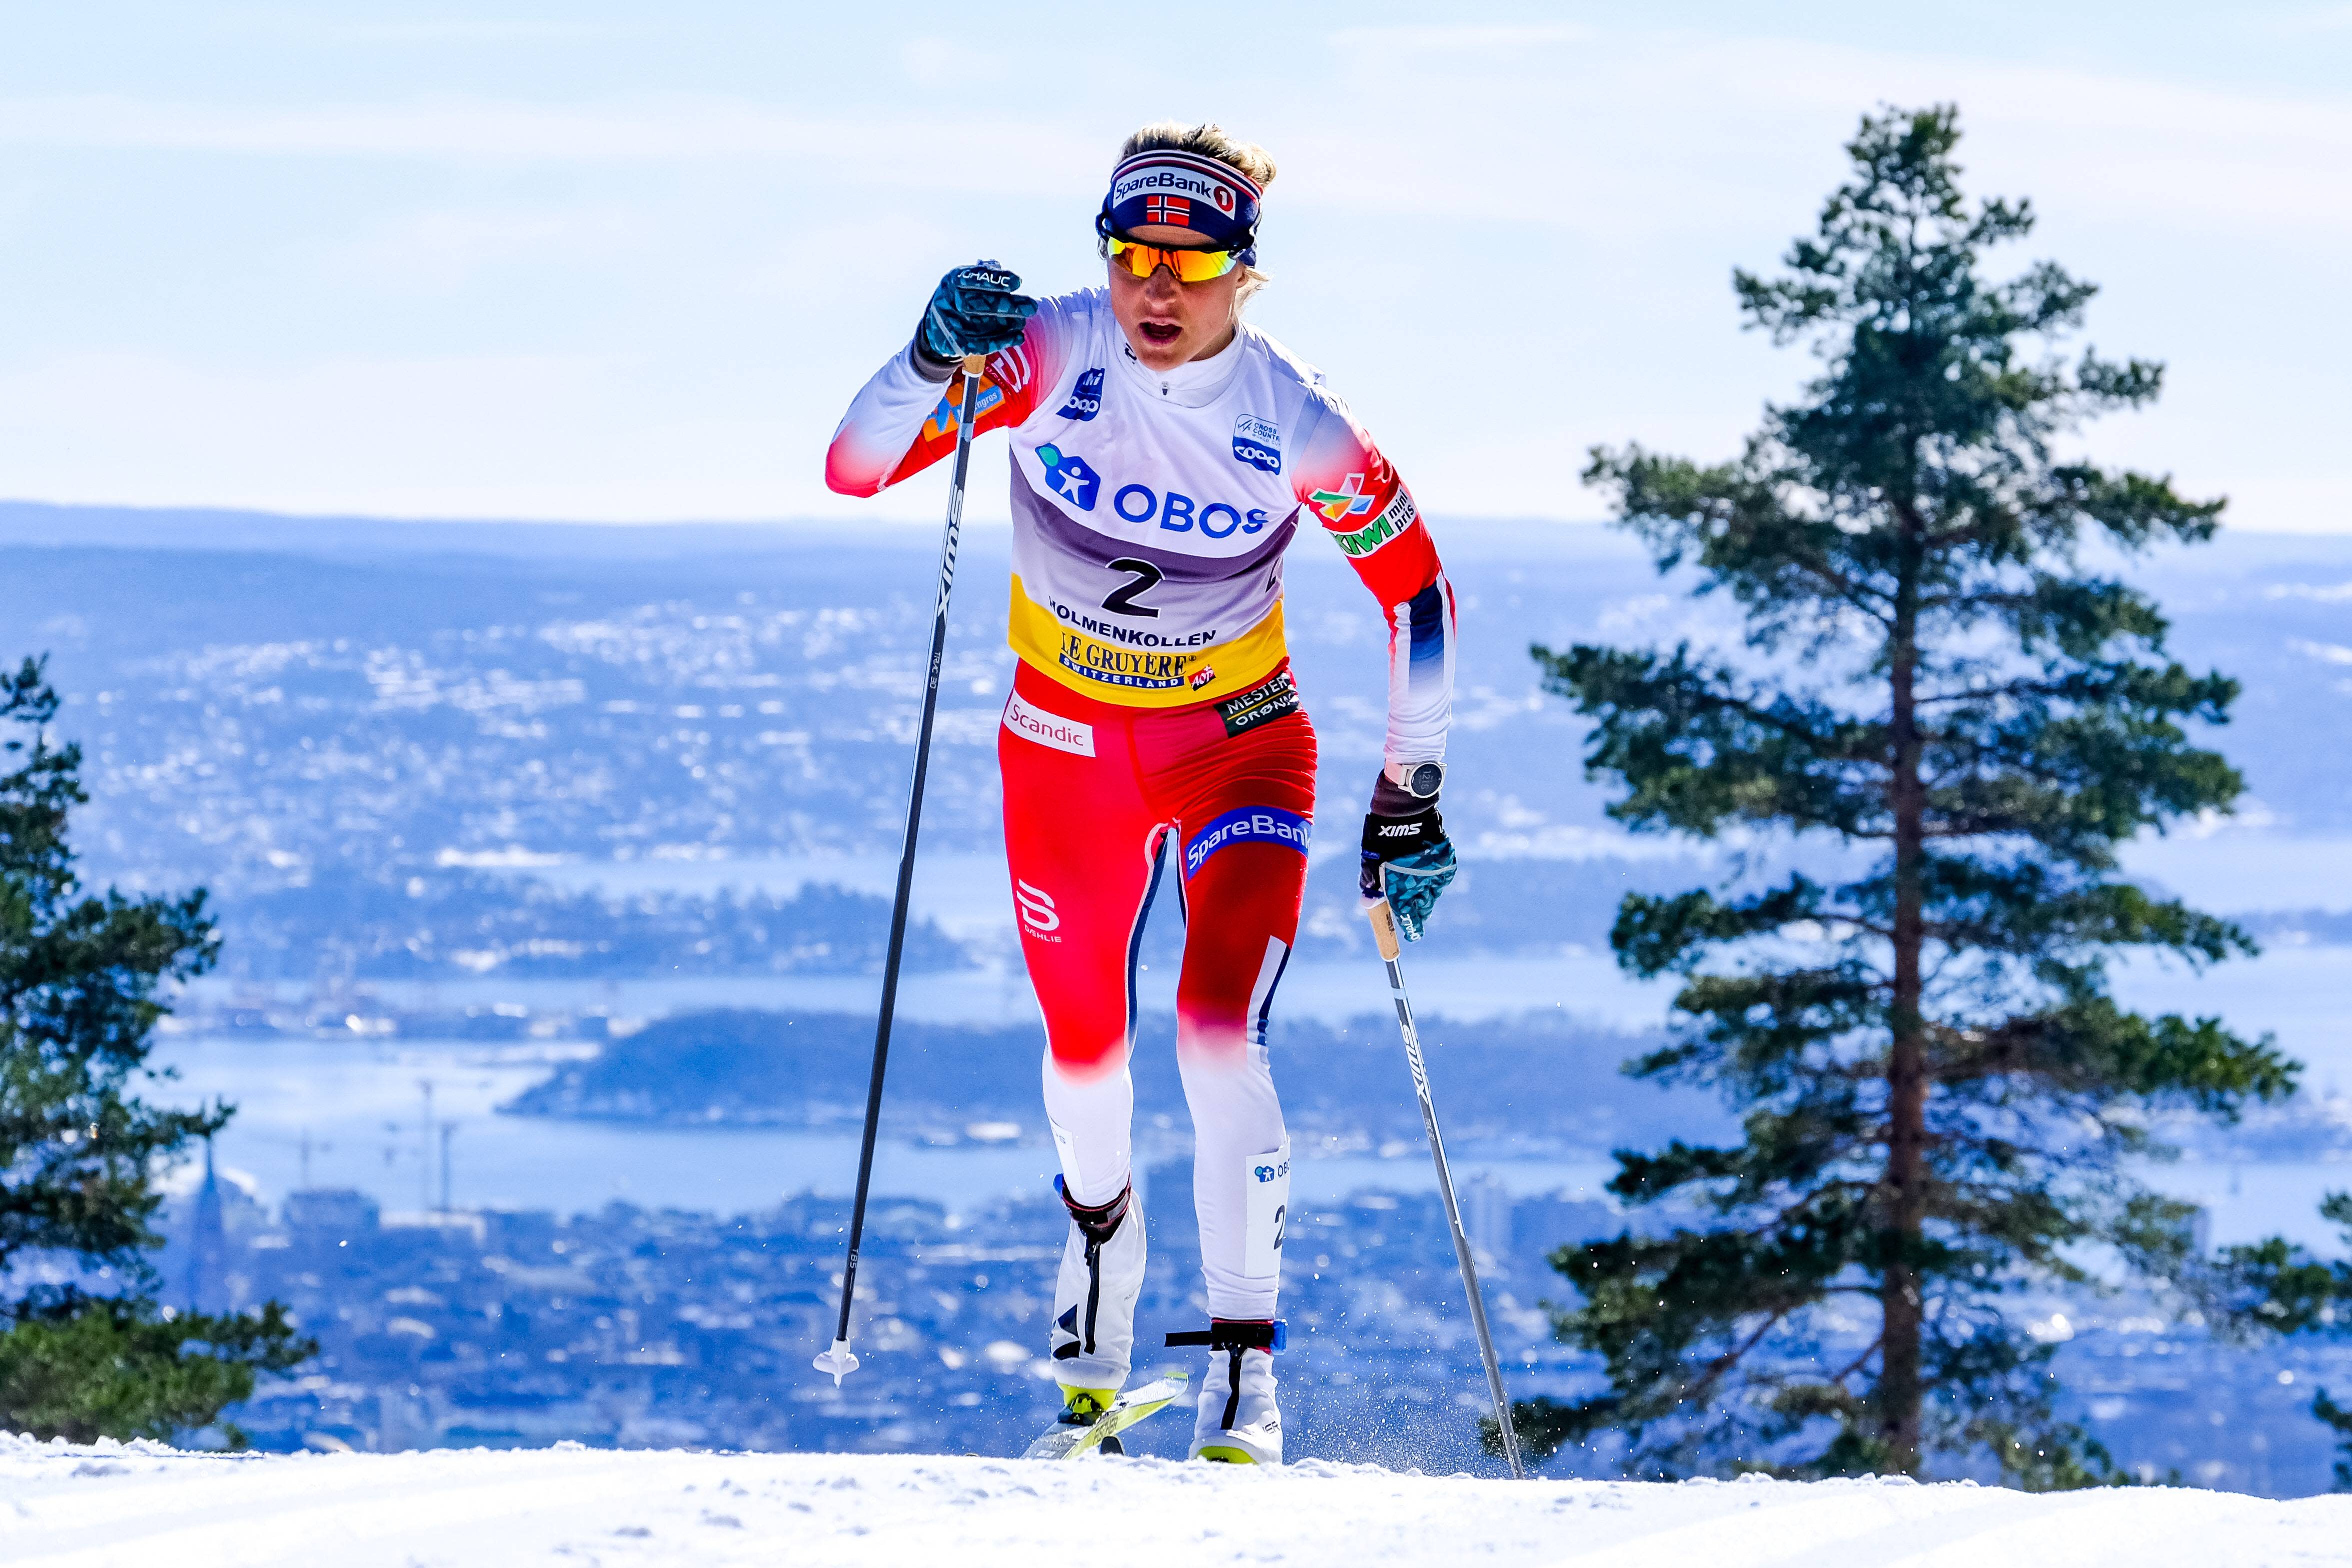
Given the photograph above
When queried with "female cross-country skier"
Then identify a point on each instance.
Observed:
(1164, 455)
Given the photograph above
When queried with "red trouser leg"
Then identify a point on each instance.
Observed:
(1094, 797)
(1243, 811)
(1082, 844)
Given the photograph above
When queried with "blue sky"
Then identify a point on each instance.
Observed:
(628, 262)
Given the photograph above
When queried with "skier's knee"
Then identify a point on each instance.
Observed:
(1085, 1059)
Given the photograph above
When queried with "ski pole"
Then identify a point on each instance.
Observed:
(1384, 932)
(837, 1359)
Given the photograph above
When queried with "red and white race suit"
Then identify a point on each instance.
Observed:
(1153, 716)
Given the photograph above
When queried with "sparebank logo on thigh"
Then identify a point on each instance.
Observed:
(1086, 398)
(1250, 825)
(1048, 729)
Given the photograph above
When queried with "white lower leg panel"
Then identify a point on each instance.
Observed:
(1240, 1180)
(1093, 1130)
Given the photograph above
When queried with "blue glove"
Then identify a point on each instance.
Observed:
(974, 310)
(1408, 860)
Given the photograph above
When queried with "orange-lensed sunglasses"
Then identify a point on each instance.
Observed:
(1188, 266)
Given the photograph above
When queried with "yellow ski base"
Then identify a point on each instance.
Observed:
(1218, 1453)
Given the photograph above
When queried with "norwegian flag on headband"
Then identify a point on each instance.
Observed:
(1187, 191)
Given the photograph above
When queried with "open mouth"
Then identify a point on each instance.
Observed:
(1162, 331)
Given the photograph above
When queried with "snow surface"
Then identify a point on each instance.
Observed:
(160, 1508)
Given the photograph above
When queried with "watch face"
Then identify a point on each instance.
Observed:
(1426, 778)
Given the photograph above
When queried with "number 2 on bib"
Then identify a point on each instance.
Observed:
(1142, 577)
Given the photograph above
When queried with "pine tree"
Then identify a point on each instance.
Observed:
(1939, 1098)
(2288, 1290)
(80, 978)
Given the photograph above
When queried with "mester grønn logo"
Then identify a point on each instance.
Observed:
(1086, 398)
(1072, 480)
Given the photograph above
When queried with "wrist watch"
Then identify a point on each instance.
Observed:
(1419, 779)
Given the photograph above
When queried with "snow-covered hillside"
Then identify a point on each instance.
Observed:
(151, 1506)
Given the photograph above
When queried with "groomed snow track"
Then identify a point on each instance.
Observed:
(153, 1507)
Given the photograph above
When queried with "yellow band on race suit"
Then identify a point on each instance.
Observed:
(1114, 672)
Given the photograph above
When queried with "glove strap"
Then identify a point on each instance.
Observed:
(1391, 837)
(1390, 799)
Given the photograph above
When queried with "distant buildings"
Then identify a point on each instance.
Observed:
(632, 1327)
(637, 1328)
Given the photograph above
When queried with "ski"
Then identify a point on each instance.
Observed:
(1071, 1442)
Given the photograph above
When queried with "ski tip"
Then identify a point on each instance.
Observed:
(836, 1362)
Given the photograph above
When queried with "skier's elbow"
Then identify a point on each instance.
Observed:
(845, 476)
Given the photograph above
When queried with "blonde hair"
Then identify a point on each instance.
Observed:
(1209, 139)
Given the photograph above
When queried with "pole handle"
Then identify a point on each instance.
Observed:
(973, 366)
(1384, 931)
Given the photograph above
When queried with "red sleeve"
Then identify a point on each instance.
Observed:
(901, 423)
(1343, 482)
(1008, 394)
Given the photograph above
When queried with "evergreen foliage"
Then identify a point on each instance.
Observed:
(81, 983)
(2285, 1288)
(2340, 1418)
(1941, 688)
(83, 1367)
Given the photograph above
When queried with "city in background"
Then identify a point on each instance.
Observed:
(552, 864)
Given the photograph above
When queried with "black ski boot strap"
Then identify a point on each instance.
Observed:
(1236, 1337)
(1236, 1334)
(1096, 1222)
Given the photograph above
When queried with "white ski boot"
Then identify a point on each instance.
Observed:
(1238, 1422)
(1093, 1336)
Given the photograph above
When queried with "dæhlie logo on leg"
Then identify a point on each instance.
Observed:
(1038, 911)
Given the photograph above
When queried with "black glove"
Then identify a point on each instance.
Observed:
(1407, 857)
(974, 310)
